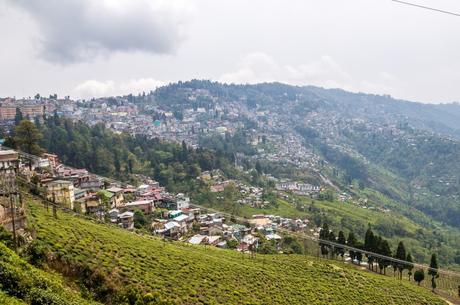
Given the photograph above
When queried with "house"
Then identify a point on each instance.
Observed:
(212, 240)
(79, 193)
(113, 215)
(182, 201)
(126, 220)
(247, 243)
(89, 182)
(62, 192)
(91, 204)
(196, 239)
(118, 197)
(53, 160)
(273, 236)
(145, 206)
(9, 161)
(172, 229)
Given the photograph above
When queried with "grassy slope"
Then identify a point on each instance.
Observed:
(188, 274)
(7, 300)
(21, 283)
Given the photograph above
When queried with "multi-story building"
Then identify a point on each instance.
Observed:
(62, 192)
(9, 161)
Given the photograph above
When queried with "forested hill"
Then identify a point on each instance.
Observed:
(370, 138)
(439, 118)
(104, 152)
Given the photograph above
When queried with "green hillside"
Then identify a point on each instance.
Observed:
(21, 283)
(141, 267)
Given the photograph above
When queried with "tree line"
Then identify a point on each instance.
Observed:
(378, 245)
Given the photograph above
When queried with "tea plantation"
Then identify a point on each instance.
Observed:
(149, 271)
(21, 283)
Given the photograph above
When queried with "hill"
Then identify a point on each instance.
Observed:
(21, 283)
(143, 267)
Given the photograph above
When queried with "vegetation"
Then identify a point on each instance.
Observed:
(21, 283)
(142, 269)
(103, 152)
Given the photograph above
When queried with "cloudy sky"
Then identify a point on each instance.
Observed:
(86, 48)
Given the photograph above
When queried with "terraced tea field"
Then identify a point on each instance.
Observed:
(179, 273)
(21, 283)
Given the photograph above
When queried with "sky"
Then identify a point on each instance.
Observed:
(94, 48)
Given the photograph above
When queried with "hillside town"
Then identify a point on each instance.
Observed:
(148, 205)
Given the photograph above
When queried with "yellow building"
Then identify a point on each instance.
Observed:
(62, 192)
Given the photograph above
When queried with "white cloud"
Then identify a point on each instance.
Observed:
(324, 72)
(82, 30)
(94, 88)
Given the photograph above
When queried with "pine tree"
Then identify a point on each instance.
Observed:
(433, 270)
(341, 240)
(401, 255)
(324, 235)
(369, 245)
(352, 242)
(384, 249)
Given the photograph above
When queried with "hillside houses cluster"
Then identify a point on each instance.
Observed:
(215, 231)
(298, 188)
(79, 190)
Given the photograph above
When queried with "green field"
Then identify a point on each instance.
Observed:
(21, 283)
(178, 273)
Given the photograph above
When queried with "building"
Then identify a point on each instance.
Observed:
(126, 220)
(145, 206)
(118, 197)
(7, 113)
(52, 159)
(62, 192)
(182, 201)
(9, 161)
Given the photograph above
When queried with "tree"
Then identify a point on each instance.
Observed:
(419, 276)
(351, 242)
(433, 271)
(341, 240)
(409, 266)
(139, 219)
(324, 235)
(27, 137)
(369, 245)
(18, 117)
(384, 249)
(401, 255)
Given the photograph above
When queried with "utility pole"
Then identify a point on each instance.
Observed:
(13, 212)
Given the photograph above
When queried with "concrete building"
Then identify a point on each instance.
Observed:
(9, 161)
(62, 192)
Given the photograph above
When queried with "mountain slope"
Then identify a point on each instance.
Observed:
(177, 273)
(21, 283)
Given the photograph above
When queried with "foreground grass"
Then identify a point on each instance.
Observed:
(178, 273)
(7, 300)
(21, 283)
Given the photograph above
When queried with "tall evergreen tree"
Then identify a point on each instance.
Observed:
(352, 242)
(401, 255)
(384, 249)
(324, 235)
(369, 245)
(341, 240)
(433, 271)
